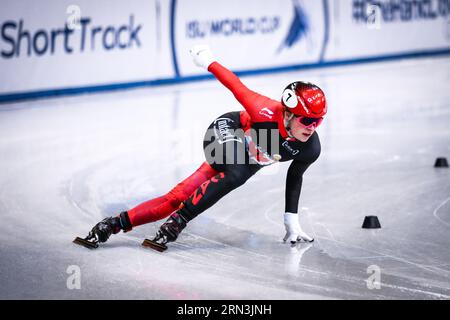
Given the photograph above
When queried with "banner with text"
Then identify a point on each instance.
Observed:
(371, 28)
(48, 46)
(62, 43)
(251, 34)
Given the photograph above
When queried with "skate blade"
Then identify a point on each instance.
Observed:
(85, 243)
(154, 245)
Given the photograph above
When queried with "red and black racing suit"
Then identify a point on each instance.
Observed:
(234, 153)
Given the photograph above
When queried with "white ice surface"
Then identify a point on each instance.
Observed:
(68, 162)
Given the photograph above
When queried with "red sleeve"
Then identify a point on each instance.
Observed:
(252, 102)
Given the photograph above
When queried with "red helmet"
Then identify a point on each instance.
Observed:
(304, 99)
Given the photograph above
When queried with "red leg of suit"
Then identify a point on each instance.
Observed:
(161, 207)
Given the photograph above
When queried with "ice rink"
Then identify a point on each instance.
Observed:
(68, 162)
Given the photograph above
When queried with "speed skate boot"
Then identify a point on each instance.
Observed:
(104, 229)
(168, 232)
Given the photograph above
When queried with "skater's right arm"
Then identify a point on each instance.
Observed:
(294, 181)
(252, 102)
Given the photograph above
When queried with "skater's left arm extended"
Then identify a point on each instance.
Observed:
(252, 101)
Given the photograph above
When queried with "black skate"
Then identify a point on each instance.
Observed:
(168, 232)
(102, 231)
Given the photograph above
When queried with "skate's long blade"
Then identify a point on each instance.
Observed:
(154, 245)
(85, 243)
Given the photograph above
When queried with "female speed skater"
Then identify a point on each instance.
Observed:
(236, 145)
